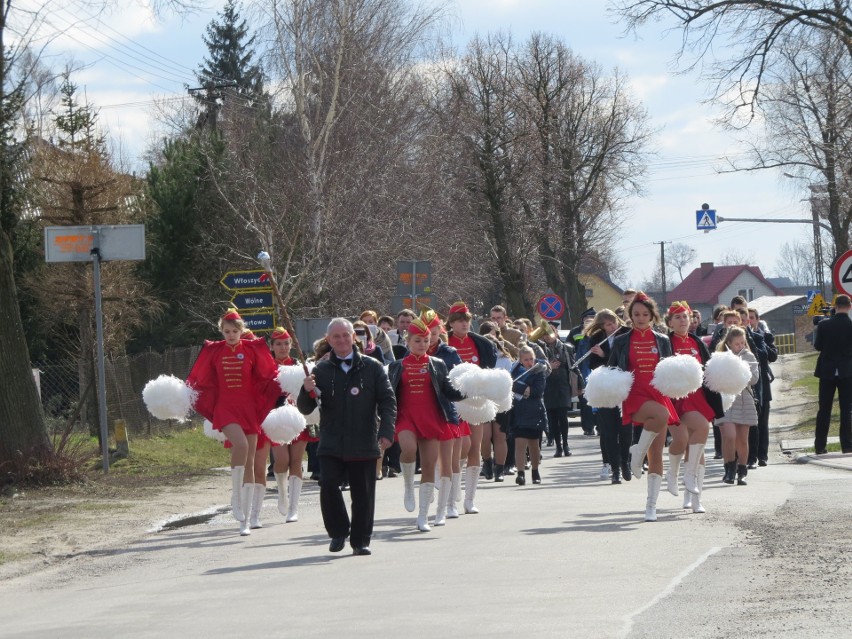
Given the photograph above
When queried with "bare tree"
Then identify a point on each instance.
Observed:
(679, 256)
(796, 262)
(752, 32)
(587, 140)
(736, 256)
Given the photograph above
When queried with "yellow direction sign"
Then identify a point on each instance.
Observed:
(817, 305)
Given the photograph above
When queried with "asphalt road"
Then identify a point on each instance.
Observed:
(571, 557)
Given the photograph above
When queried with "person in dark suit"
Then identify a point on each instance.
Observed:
(833, 340)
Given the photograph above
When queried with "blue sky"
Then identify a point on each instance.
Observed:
(133, 59)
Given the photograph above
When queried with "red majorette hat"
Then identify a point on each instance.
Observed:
(430, 318)
(679, 307)
(417, 327)
(459, 307)
(279, 333)
(231, 315)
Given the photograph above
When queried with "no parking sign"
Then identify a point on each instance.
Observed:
(551, 307)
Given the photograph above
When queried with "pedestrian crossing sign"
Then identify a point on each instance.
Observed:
(705, 220)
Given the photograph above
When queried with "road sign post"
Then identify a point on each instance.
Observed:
(96, 244)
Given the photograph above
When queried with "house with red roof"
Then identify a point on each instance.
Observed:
(710, 285)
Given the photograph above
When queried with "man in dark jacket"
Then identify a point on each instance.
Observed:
(357, 416)
(833, 340)
(758, 438)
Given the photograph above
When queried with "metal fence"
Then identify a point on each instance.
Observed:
(126, 376)
(785, 343)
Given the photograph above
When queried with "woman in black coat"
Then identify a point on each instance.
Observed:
(529, 416)
(616, 438)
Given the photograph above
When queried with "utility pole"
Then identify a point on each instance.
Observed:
(663, 268)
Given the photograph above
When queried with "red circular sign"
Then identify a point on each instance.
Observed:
(842, 273)
(551, 306)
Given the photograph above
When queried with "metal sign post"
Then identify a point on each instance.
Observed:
(99, 243)
(99, 329)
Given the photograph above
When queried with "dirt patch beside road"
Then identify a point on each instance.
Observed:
(42, 527)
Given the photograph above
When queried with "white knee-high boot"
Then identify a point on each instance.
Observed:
(471, 477)
(408, 481)
(638, 452)
(443, 500)
(295, 492)
(697, 506)
(247, 495)
(455, 496)
(654, 483)
(690, 469)
(257, 505)
(426, 491)
(281, 480)
(237, 473)
(672, 474)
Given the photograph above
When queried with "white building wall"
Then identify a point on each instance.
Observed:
(745, 280)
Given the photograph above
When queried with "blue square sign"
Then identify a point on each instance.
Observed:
(705, 220)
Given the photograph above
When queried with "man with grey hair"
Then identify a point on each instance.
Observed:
(357, 416)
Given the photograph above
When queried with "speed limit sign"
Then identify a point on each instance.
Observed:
(842, 272)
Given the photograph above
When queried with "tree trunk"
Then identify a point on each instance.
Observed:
(22, 428)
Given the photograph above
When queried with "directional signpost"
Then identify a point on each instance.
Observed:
(551, 307)
(252, 292)
(842, 273)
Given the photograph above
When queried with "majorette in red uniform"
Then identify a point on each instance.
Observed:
(235, 380)
(474, 349)
(696, 411)
(424, 398)
(639, 351)
(286, 456)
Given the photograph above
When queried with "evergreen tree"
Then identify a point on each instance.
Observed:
(229, 68)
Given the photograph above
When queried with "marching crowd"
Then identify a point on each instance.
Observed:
(389, 404)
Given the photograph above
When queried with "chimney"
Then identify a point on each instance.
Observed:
(706, 269)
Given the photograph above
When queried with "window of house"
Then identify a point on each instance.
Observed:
(747, 293)
(590, 292)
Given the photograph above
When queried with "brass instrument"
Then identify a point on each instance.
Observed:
(544, 328)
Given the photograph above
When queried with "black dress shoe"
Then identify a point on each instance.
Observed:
(536, 477)
(362, 551)
(616, 479)
(558, 453)
(567, 453)
(626, 473)
(822, 451)
(761, 462)
(337, 544)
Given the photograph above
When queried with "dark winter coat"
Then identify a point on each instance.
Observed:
(444, 390)
(356, 407)
(557, 389)
(528, 412)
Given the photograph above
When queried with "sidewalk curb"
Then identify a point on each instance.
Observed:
(805, 458)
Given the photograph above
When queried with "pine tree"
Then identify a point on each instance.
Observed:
(229, 68)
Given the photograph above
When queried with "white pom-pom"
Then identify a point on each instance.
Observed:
(283, 424)
(678, 376)
(505, 404)
(291, 378)
(726, 373)
(459, 372)
(476, 410)
(727, 401)
(608, 387)
(212, 433)
(168, 397)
